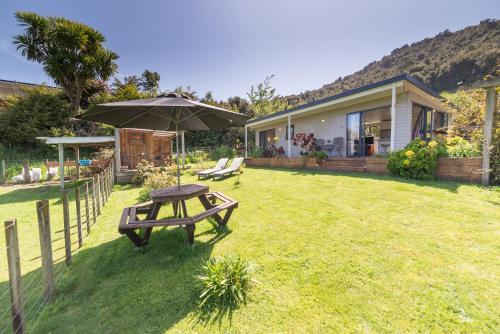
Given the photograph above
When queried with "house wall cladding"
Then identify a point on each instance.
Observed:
(463, 169)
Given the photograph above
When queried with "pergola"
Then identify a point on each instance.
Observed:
(75, 143)
(489, 120)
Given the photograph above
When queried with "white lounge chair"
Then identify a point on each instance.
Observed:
(233, 168)
(221, 164)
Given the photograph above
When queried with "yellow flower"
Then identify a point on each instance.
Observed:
(422, 143)
(409, 154)
(406, 162)
(276, 139)
(433, 144)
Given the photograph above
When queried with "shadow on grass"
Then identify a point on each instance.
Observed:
(444, 185)
(35, 192)
(114, 286)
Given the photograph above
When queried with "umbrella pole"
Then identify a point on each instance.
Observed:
(177, 157)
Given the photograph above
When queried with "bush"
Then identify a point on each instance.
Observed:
(196, 157)
(418, 160)
(256, 152)
(223, 151)
(225, 282)
(458, 147)
(156, 180)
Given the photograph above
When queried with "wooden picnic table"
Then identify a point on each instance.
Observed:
(177, 196)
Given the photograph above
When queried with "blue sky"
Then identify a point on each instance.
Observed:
(226, 46)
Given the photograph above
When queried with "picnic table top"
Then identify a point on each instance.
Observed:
(176, 193)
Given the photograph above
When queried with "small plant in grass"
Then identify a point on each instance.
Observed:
(225, 282)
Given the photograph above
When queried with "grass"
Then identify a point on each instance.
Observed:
(334, 252)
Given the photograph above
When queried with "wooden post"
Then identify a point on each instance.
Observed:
(78, 216)
(77, 161)
(67, 227)
(97, 195)
(26, 169)
(14, 264)
(93, 201)
(101, 190)
(61, 165)
(87, 214)
(246, 142)
(118, 159)
(489, 117)
(4, 173)
(42, 209)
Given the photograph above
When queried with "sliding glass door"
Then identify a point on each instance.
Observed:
(355, 140)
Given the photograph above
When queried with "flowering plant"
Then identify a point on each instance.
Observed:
(418, 160)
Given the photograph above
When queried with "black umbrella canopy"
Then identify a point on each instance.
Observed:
(168, 112)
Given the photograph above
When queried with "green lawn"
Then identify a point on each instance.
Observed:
(334, 252)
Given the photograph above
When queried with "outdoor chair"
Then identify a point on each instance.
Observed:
(233, 168)
(338, 146)
(221, 164)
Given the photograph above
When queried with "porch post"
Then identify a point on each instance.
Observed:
(246, 141)
(61, 165)
(118, 158)
(491, 102)
(289, 133)
(183, 149)
(77, 161)
(393, 118)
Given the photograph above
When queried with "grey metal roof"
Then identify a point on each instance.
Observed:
(397, 78)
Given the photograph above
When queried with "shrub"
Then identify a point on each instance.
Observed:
(225, 281)
(156, 180)
(306, 141)
(222, 151)
(256, 152)
(458, 147)
(196, 157)
(144, 170)
(418, 160)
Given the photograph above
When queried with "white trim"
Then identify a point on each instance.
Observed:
(330, 103)
(118, 159)
(289, 130)
(393, 118)
(78, 140)
(246, 141)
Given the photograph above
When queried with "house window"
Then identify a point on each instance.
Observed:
(292, 131)
(429, 123)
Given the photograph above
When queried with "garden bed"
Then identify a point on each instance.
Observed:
(282, 162)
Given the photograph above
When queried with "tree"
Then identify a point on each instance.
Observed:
(70, 52)
(42, 112)
(150, 81)
(188, 91)
(264, 99)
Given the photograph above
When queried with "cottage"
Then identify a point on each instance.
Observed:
(374, 119)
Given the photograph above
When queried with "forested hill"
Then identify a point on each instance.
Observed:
(441, 62)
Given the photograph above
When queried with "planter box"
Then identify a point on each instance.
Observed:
(282, 162)
(463, 169)
(377, 165)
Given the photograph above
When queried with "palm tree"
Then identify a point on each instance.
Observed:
(71, 53)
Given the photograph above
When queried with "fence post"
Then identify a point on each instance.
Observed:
(26, 168)
(42, 209)
(78, 216)
(87, 215)
(4, 173)
(14, 264)
(93, 201)
(67, 227)
(98, 195)
(101, 190)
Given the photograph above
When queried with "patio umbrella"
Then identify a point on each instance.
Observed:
(167, 112)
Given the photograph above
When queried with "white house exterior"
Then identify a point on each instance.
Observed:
(369, 120)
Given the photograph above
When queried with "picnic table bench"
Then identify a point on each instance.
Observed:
(213, 202)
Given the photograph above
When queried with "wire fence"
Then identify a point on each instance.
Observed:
(23, 171)
(34, 267)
